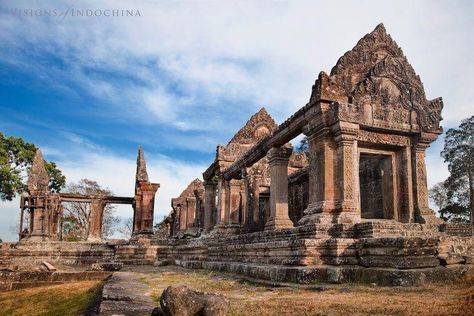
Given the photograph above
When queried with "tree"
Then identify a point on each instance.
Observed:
(76, 214)
(160, 229)
(303, 147)
(458, 152)
(16, 157)
(127, 228)
(439, 195)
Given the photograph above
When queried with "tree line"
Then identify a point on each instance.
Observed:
(454, 197)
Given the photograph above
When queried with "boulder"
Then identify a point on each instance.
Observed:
(183, 301)
(107, 266)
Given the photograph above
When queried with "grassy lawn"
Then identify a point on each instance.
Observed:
(66, 299)
(353, 299)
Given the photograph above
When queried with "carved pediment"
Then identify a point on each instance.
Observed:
(377, 73)
(195, 185)
(257, 127)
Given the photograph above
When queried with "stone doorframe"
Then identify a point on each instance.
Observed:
(393, 186)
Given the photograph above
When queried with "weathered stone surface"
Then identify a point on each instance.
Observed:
(107, 266)
(49, 266)
(183, 301)
(125, 294)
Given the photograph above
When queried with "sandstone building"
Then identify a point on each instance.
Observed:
(354, 206)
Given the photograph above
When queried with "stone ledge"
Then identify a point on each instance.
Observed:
(332, 274)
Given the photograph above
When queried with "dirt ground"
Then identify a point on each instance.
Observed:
(248, 298)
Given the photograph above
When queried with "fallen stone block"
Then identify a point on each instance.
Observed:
(49, 266)
(107, 266)
(183, 301)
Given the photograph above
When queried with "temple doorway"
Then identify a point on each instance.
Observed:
(376, 178)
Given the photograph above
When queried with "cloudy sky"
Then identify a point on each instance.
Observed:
(179, 77)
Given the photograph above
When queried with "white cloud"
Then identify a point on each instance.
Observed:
(218, 51)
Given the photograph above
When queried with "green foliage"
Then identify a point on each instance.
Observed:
(16, 157)
(454, 212)
(458, 152)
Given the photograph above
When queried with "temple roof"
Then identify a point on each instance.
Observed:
(377, 72)
(38, 179)
(196, 184)
(249, 133)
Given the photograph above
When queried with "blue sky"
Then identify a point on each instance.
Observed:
(183, 76)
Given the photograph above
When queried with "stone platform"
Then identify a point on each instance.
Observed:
(388, 253)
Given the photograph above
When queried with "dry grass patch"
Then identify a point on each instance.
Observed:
(252, 299)
(66, 299)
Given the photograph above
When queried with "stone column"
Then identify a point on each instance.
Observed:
(256, 182)
(39, 218)
(148, 208)
(222, 205)
(95, 220)
(321, 169)
(191, 210)
(407, 212)
(234, 202)
(278, 161)
(182, 216)
(423, 213)
(209, 204)
(347, 173)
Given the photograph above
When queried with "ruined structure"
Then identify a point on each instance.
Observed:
(353, 207)
(45, 207)
(188, 210)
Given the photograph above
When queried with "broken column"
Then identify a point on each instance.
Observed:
(95, 219)
(278, 160)
(144, 201)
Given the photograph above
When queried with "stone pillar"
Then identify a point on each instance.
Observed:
(222, 205)
(423, 213)
(95, 220)
(182, 209)
(38, 191)
(147, 206)
(234, 202)
(278, 161)
(40, 223)
(191, 211)
(209, 204)
(256, 183)
(321, 169)
(144, 200)
(347, 173)
(407, 212)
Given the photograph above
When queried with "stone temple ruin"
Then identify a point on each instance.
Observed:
(354, 207)
(45, 207)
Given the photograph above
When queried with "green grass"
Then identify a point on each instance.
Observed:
(67, 299)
